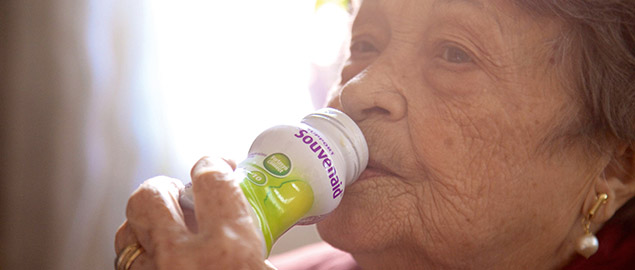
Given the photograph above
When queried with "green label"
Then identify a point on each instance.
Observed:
(277, 164)
(278, 201)
(257, 177)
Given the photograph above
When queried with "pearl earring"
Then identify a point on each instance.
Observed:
(588, 244)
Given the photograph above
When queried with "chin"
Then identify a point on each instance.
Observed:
(357, 224)
(340, 232)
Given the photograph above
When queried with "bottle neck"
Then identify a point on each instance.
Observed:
(342, 130)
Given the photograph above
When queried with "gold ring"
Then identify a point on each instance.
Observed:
(127, 256)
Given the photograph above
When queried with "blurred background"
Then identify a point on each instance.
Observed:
(98, 95)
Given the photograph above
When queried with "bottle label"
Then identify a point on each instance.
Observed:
(323, 154)
(276, 192)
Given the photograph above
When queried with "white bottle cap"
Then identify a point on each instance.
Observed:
(336, 124)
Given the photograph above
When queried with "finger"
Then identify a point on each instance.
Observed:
(143, 262)
(218, 200)
(231, 162)
(154, 214)
(124, 237)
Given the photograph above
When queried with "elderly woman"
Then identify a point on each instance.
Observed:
(501, 136)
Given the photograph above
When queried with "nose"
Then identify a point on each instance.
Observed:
(372, 93)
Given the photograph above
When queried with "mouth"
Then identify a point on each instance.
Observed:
(374, 170)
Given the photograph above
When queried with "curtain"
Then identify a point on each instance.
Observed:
(94, 99)
(70, 154)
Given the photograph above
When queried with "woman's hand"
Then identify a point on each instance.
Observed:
(226, 236)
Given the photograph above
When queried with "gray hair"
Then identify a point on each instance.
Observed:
(600, 37)
(599, 41)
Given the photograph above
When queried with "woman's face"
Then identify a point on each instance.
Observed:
(461, 104)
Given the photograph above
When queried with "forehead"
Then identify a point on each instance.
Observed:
(494, 8)
(416, 16)
(475, 3)
(503, 16)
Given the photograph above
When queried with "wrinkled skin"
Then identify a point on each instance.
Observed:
(472, 166)
(462, 106)
(226, 238)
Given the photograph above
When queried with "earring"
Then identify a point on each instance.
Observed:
(588, 244)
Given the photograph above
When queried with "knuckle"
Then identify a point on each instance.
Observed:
(152, 193)
(140, 197)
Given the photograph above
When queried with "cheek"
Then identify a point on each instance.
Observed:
(470, 148)
(487, 177)
(373, 214)
(467, 143)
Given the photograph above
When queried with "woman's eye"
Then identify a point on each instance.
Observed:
(362, 47)
(455, 55)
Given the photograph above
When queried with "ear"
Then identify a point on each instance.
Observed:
(617, 181)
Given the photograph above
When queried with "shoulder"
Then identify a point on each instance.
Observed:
(320, 256)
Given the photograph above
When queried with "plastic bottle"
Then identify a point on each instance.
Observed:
(296, 174)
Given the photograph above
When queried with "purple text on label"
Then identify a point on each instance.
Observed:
(326, 161)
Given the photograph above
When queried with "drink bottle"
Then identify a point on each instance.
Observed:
(297, 174)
